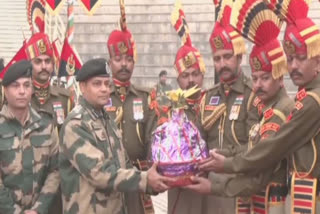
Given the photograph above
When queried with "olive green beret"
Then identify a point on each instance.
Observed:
(19, 69)
(92, 68)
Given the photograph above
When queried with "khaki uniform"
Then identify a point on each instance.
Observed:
(28, 163)
(93, 164)
(296, 138)
(131, 116)
(228, 115)
(186, 201)
(57, 103)
(272, 180)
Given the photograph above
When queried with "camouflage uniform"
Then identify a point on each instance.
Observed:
(93, 164)
(28, 163)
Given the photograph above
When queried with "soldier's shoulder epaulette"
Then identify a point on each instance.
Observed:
(213, 88)
(315, 94)
(62, 91)
(143, 89)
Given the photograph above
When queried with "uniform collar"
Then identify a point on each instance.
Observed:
(32, 116)
(271, 103)
(131, 88)
(237, 85)
(38, 85)
(196, 101)
(94, 113)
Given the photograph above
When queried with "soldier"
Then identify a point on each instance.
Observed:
(128, 105)
(93, 163)
(28, 148)
(298, 136)
(228, 111)
(190, 67)
(161, 88)
(274, 106)
(47, 98)
(52, 99)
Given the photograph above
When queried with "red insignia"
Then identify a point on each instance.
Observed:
(269, 127)
(111, 108)
(260, 107)
(268, 114)
(209, 108)
(264, 136)
(298, 105)
(256, 101)
(289, 117)
(301, 94)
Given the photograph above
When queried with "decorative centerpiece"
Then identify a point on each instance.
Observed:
(177, 145)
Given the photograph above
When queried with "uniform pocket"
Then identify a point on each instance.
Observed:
(10, 156)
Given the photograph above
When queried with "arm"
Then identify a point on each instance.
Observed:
(240, 185)
(291, 136)
(52, 182)
(76, 142)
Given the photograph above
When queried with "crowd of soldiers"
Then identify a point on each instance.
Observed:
(57, 156)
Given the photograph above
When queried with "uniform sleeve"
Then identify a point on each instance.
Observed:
(290, 137)
(100, 171)
(52, 182)
(7, 204)
(240, 185)
(247, 184)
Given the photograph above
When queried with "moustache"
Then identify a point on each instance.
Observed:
(44, 71)
(225, 69)
(260, 91)
(124, 70)
(295, 73)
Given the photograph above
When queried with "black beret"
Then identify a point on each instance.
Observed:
(92, 68)
(17, 70)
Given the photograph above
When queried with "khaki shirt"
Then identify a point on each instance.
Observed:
(93, 164)
(28, 163)
(57, 104)
(297, 137)
(273, 115)
(231, 126)
(133, 115)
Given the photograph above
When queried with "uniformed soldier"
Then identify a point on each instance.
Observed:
(128, 105)
(28, 148)
(228, 111)
(190, 68)
(267, 190)
(52, 99)
(93, 164)
(47, 98)
(296, 138)
(161, 88)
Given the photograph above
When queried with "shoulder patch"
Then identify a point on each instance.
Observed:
(62, 91)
